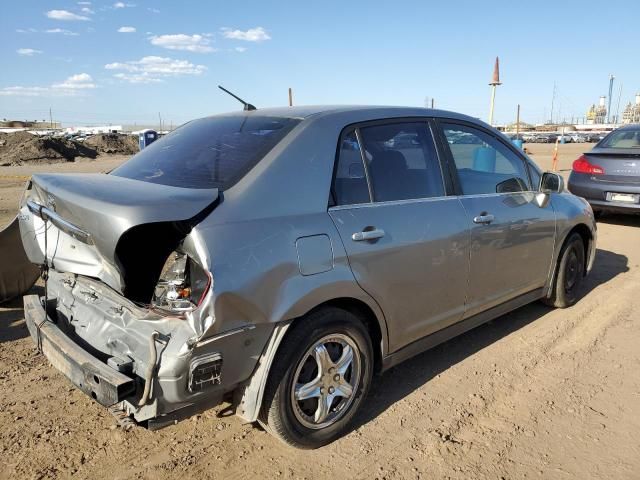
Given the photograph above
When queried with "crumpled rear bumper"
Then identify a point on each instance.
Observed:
(98, 380)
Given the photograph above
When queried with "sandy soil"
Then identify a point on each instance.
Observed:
(538, 393)
(13, 179)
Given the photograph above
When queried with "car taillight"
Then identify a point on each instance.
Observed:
(182, 286)
(582, 165)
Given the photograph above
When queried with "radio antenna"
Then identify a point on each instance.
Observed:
(247, 106)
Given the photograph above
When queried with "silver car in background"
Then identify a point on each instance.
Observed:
(277, 258)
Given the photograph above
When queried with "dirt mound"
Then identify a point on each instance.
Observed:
(22, 147)
(113, 143)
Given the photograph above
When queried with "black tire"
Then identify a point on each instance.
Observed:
(281, 414)
(569, 275)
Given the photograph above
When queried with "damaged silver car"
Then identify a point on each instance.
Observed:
(279, 258)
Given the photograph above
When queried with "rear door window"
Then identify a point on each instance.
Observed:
(401, 161)
(484, 164)
(212, 152)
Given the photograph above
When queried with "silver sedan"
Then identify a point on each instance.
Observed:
(277, 258)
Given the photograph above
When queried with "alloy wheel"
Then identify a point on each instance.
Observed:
(326, 381)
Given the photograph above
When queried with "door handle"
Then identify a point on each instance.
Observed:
(367, 235)
(484, 218)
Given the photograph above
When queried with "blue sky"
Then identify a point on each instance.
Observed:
(77, 58)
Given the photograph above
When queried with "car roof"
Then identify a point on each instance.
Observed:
(303, 112)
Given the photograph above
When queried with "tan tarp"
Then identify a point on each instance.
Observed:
(17, 274)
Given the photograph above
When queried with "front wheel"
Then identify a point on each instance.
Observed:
(320, 376)
(569, 273)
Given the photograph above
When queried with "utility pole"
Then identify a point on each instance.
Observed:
(160, 119)
(50, 118)
(495, 81)
(290, 97)
(553, 101)
(611, 78)
(518, 123)
(433, 102)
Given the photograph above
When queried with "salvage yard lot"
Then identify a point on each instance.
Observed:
(538, 393)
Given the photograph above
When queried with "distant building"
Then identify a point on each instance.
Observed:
(524, 127)
(95, 129)
(631, 112)
(597, 114)
(34, 125)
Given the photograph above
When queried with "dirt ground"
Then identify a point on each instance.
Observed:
(538, 393)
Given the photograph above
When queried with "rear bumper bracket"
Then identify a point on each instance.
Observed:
(104, 384)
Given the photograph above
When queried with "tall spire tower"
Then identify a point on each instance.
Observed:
(495, 81)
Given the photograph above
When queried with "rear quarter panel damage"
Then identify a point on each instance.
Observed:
(256, 272)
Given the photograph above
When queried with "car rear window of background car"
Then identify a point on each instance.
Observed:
(622, 139)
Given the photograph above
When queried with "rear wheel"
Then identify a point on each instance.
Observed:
(569, 273)
(319, 378)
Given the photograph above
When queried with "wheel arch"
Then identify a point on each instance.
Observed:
(368, 317)
(248, 397)
(588, 240)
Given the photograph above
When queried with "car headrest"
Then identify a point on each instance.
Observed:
(389, 162)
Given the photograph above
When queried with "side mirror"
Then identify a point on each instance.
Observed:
(551, 183)
(512, 185)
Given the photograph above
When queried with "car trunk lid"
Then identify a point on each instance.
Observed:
(620, 166)
(108, 227)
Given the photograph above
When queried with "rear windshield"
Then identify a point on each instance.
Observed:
(213, 152)
(622, 139)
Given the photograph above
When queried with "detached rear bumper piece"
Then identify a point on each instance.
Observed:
(104, 384)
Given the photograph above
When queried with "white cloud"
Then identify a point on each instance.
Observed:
(28, 52)
(65, 15)
(127, 29)
(180, 41)
(23, 91)
(71, 86)
(240, 49)
(87, 10)
(123, 5)
(153, 69)
(75, 82)
(62, 31)
(23, 30)
(84, 3)
(137, 78)
(153, 10)
(257, 34)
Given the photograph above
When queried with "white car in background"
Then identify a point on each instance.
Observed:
(578, 138)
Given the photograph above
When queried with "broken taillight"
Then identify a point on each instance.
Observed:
(182, 286)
